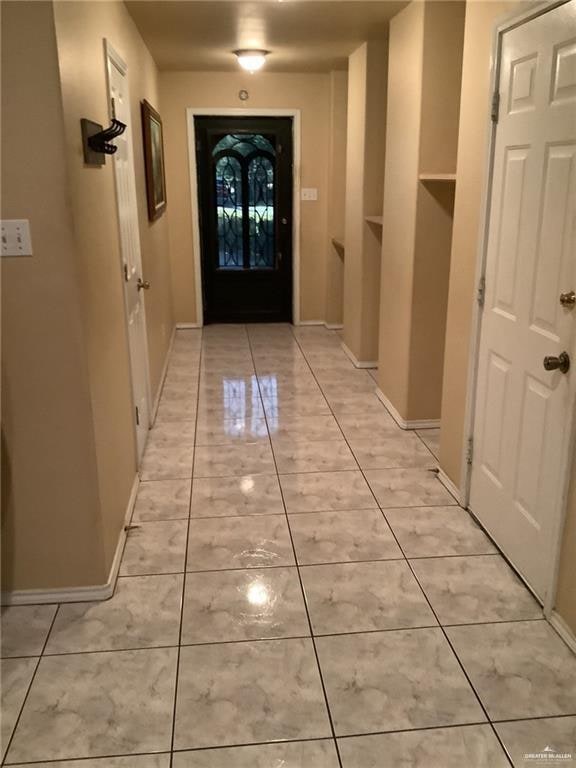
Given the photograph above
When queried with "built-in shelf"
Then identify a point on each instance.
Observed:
(374, 220)
(338, 242)
(437, 177)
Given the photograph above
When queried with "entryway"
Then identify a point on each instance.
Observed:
(132, 276)
(245, 187)
(525, 388)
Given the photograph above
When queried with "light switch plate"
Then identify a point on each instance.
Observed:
(16, 240)
(309, 193)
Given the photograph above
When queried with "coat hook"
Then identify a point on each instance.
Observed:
(96, 140)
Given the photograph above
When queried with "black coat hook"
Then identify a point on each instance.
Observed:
(96, 140)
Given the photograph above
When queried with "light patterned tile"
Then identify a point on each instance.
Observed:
(467, 590)
(162, 500)
(520, 670)
(285, 700)
(153, 548)
(254, 541)
(467, 746)
(322, 456)
(25, 629)
(233, 496)
(320, 491)
(332, 537)
(407, 488)
(75, 698)
(395, 680)
(253, 604)
(437, 531)
(362, 597)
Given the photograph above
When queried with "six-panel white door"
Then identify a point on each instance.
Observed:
(524, 413)
(130, 250)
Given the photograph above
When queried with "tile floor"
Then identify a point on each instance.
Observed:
(299, 590)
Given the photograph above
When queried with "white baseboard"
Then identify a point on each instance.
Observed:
(156, 403)
(79, 594)
(449, 485)
(403, 423)
(308, 322)
(333, 326)
(187, 326)
(563, 630)
(358, 363)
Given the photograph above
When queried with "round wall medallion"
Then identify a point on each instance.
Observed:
(243, 95)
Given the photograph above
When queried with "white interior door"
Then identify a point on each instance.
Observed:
(130, 249)
(524, 413)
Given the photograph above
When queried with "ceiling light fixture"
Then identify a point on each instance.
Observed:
(251, 60)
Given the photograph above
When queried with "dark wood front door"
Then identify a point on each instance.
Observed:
(245, 205)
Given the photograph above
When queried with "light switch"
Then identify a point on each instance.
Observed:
(309, 193)
(16, 239)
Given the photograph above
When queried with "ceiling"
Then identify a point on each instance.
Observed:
(302, 35)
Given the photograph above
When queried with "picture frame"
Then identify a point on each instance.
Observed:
(152, 132)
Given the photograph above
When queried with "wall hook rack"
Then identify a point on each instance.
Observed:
(96, 140)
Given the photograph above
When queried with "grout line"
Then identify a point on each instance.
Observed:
(172, 645)
(319, 668)
(183, 599)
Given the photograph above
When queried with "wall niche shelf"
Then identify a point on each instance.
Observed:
(437, 177)
(374, 220)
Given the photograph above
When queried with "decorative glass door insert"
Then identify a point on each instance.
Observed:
(244, 176)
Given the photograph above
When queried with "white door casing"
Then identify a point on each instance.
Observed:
(123, 162)
(523, 413)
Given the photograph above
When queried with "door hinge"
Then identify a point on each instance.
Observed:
(137, 417)
(469, 451)
(495, 106)
(126, 278)
(481, 292)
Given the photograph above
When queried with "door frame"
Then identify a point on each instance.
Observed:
(191, 113)
(113, 58)
(509, 22)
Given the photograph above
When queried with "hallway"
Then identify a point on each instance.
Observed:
(312, 582)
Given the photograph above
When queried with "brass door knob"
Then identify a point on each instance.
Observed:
(560, 363)
(142, 284)
(568, 300)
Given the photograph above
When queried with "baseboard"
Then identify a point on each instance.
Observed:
(563, 630)
(449, 485)
(187, 326)
(156, 403)
(333, 326)
(403, 423)
(358, 363)
(79, 594)
(308, 322)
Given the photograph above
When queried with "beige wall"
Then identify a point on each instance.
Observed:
(471, 168)
(308, 92)
(423, 98)
(336, 197)
(51, 528)
(81, 28)
(367, 86)
(405, 56)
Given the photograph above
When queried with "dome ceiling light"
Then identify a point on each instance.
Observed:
(251, 60)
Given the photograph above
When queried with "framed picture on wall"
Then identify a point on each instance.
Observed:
(154, 161)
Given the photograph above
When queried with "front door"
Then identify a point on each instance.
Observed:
(245, 195)
(524, 412)
(132, 277)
